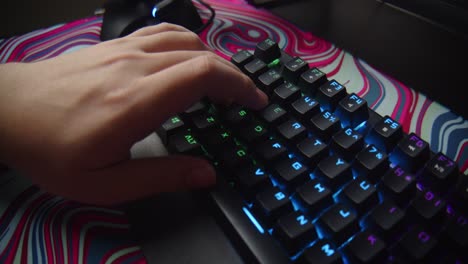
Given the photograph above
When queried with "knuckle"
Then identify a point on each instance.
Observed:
(165, 26)
(205, 64)
(193, 39)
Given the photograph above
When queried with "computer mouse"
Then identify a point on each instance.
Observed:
(122, 17)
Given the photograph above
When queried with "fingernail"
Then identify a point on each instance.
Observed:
(203, 176)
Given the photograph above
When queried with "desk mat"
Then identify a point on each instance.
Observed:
(38, 227)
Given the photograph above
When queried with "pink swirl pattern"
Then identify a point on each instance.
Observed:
(37, 227)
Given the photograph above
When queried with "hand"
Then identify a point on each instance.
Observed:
(69, 122)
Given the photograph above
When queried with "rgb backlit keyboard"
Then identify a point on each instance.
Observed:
(319, 177)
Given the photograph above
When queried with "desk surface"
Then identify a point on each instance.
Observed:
(38, 226)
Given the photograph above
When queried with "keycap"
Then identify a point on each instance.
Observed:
(325, 125)
(347, 143)
(252, 179)
(237, 116)
(313, 197)
(233, 157)
(360, 194)
(455, 233)
(253, 132)
(254, 68)
(270, 204)
(267, 50)
(305, 108)
(411, 153)
(204, 121)
(338, 223)
(216, 140)
(322, 252)
(184, 143)
(286, 93)
(399, 185)
(273, 114)
(290, 173)
(440, 173)
(329, 94)
(418, 245)
(195, 109)
(366, 247)
(241, 58)
(269, 80)
(333, 171)
(271, 150)
(292, 131)
(311, 80)
(173, 125)
(294, 68)
(294, 231)
(313, 150)
(427, 209)
(387, 219)
(371, 163)
(385, 134)
(352, 110)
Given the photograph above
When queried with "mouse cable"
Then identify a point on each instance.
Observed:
(210, 20)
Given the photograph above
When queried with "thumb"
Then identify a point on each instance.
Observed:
(139, 178)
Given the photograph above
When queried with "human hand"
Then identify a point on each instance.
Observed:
(69, 122)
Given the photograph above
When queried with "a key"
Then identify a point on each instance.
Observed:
(241, 58)
(427, 209)
(411, 153)
(269, 80)
(305, 108)
(237, 116)
(372, 163)
(399, 185)
(294, 68)
(292, 131)
(267, 50)
(290, 173)
(312, 150)
(311, 80)
(366, 247)
(325, 125)
(286, 93)
(233, 157)
(216, 140)
(347, 143)
(195, 109)
(329, 94)
(273, 114)
(440, 173)
(184, 143)
(385, 134)
(172, 126)
(313, 197)
(417, 246)
(252, 179)
(204, 121)
(352, 110)
(270, 204)
(386, 219)
(254, 68)
(360, 194)
(333, 171)
(253, 132)
(271, 150)
(294, 231)
(339, 223)
(321, 252)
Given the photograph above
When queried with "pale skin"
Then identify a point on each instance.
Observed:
(69, 122)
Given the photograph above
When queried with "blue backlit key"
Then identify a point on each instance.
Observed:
(313, 150)
(313, 197)
(347, 143)
(339, 223)
(321, 252)
(290, 173)
(411, 153)
(271, 150)
(352, 110)
(305, 108)
(333, 171)
(360, 194)
(329, 94)
(270, 204)
(294, 231)
(292, 131)
(385, 134)
(371, 163)
(325, 125)
(399, 185)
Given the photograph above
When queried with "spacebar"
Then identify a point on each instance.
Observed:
(255, 246)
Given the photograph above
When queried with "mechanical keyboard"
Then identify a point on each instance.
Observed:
(319, 177)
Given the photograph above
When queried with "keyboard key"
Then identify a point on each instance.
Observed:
(455, 233)
(347, 143)
(292, 131)
(399, 185)
(385, 134)
(172, 126)
(312, 150)
(184, 143)
(411, 153)
(321, 252)
(286, 93)
(418, 245)
(339, 223)
(311, 80)
(371, 163)
(294, 68)
(253, 132)
(255, 68)
(204, 121)
(269, 80)
(325, 124)
(237, 116)
(329, 94)
(313, 197)
(233, 157)
(290, 173)
(294, 231)
(440, 173)
(267, 50)
(271, 204)
(352, 110)
(334, 172)
(241, 58)
(252, 179)
(360, 195)
(366, 247)
(271, 150)
(195, 109)
(387, 219)
(273, 114)
(427, 209)
(305, 108)
(216, 140)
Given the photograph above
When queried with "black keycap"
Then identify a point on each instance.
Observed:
(204, 121)
(372, 163)
(325, 125)
(286, 93)
(418, 245)
(385, 134)
(329, 94)
(253, 132)
(252, 179)
(269, 80)
(360, 195)
(233, 157)
(321, 252)
(216, 140)
(313, 197)
(184, 143)
(271, 150)
(347, 143)
(333, 171)
(366, 247)
(339, 223)
(294, 68)
(311, 80)
(294, 231)
(195, 109)
(440, 173)
(237, 116)
(170, 127)
(267, 50)
(292, 131)
(455, 233)
(411, 153)
(312, 150)
(427, 209)
(241, 58)
(272, 204)
(387, 219)
(305, 108)
(290, 173)
(352, 110)
(399, 185)
(254, 68)
(273, 114)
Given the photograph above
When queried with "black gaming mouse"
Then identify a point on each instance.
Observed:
(122, 17)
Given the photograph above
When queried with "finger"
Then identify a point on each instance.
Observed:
(162, 27)
(139, 178)
(170, 41)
